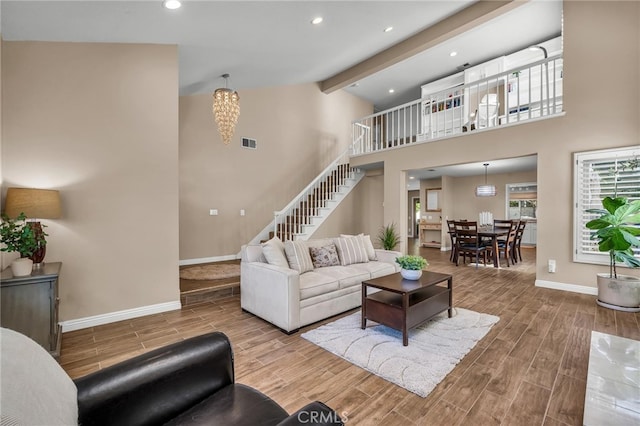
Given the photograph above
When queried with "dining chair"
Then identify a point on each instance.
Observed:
(507, 244)
(517, 254)
(452, 235)
(468, 243)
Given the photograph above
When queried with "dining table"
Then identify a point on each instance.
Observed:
(494, 233)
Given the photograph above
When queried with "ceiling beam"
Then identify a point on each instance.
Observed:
(476, 14)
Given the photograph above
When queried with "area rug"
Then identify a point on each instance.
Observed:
(210, 272)
(435, 347)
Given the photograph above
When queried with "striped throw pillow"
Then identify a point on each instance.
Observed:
(351, 250)
(298, 256)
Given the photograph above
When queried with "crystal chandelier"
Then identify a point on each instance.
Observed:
(226, 110)
(485, 190)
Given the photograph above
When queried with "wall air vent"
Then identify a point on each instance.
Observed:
(249, 143)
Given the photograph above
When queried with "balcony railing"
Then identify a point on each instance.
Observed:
(514, 96)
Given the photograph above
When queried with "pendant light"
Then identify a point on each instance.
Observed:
(485, 190)
(226, 110)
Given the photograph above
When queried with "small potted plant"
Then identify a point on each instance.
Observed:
(616, 231)
(18, 236)
(411, 266)
(388, 237)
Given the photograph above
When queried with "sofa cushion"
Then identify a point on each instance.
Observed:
(375, 268)
(313, 283)
(351, 250)
(331, 297)
(368, 245)
(347, 276)
(324, 256)
(273, 251)
(298, 256)
(34, 389)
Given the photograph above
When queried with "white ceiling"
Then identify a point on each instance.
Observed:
(524, 26)
(271, 43)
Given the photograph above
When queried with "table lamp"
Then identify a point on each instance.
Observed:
(35, 204)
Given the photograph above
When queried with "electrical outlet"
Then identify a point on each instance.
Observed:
(213, 212)
(242, 212)
(552, 265)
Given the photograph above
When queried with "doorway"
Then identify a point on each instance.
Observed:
(414, 223)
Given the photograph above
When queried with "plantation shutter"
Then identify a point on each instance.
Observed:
(595, 177)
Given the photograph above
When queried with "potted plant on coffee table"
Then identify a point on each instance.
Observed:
(616, 231)
(411, 266)
(18, 236)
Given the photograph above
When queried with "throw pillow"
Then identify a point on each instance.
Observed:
(324, 256)
(273, 251)
(368, 245)
(351, 250)
(298, 256)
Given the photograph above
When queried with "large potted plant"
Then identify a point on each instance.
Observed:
(616, 231)
(18, 236)
(388, 237)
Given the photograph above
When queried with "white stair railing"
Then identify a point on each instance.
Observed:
(528, 92)
(301, 211)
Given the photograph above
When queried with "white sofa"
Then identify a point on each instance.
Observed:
(277, 286)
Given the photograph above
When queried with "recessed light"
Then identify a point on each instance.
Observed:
(317, 20)
(171, 4)
(386, 30)
(412, 177)
(391, 90)
(452, 54)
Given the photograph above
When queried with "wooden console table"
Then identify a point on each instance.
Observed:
(424, 228)
(402, 304)
(30, 305)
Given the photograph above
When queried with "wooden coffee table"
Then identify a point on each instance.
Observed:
(403, 304)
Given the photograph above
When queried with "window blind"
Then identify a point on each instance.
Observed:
(595, 177)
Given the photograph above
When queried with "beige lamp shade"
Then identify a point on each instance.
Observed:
(34, 203)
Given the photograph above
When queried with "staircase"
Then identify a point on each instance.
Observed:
(309, 209)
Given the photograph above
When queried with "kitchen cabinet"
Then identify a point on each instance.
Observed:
(529, 234)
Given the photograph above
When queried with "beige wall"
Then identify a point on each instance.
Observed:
(99, 122)
(4, 257)
(299, 131)
(597, 64)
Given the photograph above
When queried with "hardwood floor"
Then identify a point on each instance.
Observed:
(529, 370)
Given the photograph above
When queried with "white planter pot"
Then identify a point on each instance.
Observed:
(21, 267)
(410, 274)
(623, 291)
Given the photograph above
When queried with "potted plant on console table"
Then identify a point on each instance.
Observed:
(19, 236)
(411, 266)
(617, 233)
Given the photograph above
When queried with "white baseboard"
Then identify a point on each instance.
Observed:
(80, 323)
(208, 259)
(574, 288)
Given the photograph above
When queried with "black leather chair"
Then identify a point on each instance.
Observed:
(187, 383)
